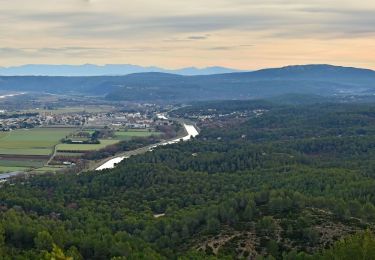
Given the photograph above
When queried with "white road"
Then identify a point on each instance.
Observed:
(111, 163)
(11, 95)
(191, 132)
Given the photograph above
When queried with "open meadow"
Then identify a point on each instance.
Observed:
(5, 169)
(28, 148)
(86, 147)
(129, 134)
(36, 141)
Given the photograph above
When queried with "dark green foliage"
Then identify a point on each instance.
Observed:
(302, 179)
(360, 246)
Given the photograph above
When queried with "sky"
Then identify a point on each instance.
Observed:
(242, 34)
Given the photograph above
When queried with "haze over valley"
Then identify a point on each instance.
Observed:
(103, 70)
(325, 80)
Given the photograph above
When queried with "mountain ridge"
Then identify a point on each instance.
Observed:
(103, 70)
(327, 80)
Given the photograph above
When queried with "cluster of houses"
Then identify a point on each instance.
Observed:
(45, 119)
(120, 119)
(10, 124)
(130, 120)
(63, 119)
(211, 114)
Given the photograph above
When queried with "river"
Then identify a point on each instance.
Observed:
(11, 95)
(191, 132)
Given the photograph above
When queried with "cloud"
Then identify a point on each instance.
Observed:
(74, 51)
(280, 18)
(45, 52)
(149, 30)
(229, 47)
(221, 48)
(198, 37)
(291, 22)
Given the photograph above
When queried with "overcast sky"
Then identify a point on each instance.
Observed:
(244, 34)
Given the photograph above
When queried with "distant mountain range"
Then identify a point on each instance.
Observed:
(323, 80)
(103, 70)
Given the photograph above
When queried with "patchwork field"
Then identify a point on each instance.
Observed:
(12, 163)
(37, 141)
(31, 148)
(28, 149)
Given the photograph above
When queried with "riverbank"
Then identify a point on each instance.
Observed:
(110, 164)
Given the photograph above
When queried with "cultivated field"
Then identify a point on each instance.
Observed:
(11, 163)
(37, 141)
(86, 147)
(66, 110)
(28, 148)
(127, 135)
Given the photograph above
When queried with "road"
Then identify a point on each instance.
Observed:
(53, 155)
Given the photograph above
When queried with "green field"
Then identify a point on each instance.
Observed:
(5, 169)
(85, 147)
(67, 110)
(127, 135)
(41, 141)
(67, 154)
(20, 163)
(37, 141)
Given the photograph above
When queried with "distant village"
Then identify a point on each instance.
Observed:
(212, 114)
(131, 120)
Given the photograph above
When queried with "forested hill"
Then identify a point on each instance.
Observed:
(274, 182)
(310, 79)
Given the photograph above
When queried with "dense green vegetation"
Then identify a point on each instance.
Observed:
(295, 183)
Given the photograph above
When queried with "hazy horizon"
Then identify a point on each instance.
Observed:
(177, 68)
